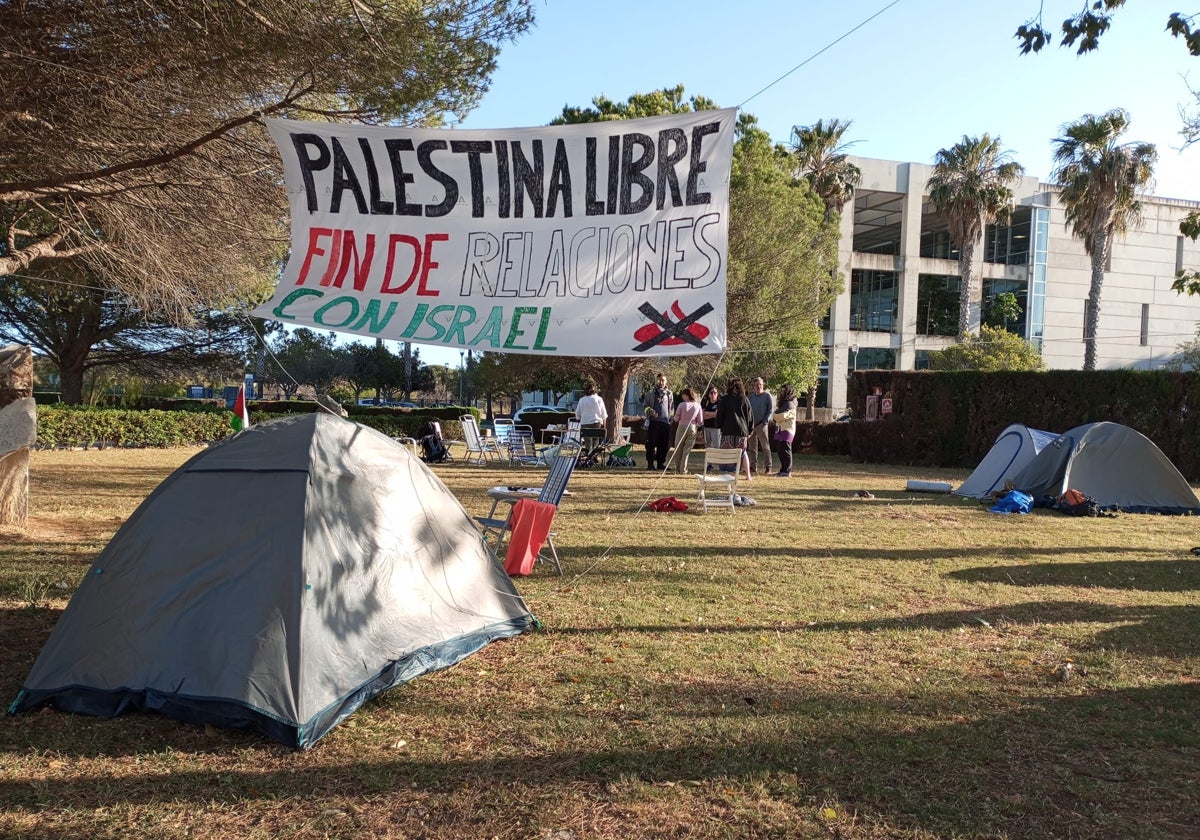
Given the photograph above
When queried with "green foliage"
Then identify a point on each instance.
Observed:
(638, 105)
(994, 349)
(781, 249)
(821, 156)
(1001, 310)
(1187, 280)
(1086, 27)
(65, 426)
(937, 305)
(87, 427)
(179, 221)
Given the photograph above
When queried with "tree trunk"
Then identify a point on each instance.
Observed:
(18, 431)
(612, 381)
(71, 372)
(966, 290)
(1091, 322)
(811, 413)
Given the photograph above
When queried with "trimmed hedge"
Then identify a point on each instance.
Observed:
(62, 426)
(951, 419)
(71, 426)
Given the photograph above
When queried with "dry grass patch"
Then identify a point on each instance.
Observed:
(815, 666)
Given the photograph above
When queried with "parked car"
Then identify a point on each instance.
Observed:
(402, 404)
(535, 409)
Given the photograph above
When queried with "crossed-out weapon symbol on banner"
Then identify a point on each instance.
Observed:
(671, 332)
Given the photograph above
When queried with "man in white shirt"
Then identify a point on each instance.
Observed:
(590, 411)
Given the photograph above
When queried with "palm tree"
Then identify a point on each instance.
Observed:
(821, 158)
(970, 186)
(1099, 180)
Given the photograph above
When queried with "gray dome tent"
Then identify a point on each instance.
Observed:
(276, 582)
(1015, 447)
(1117, 466)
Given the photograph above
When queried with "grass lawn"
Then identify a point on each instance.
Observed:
(817, 666)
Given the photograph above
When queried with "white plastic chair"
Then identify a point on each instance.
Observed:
(718, 488)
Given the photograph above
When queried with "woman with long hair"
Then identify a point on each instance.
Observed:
(734, 418)
(785, 424)
(688, 416)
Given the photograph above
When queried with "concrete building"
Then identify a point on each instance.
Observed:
(901, 275)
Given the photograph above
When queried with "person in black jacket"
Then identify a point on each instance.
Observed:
(734, 419)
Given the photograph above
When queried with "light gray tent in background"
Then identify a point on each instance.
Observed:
(1015, 447)
(1117, 466)
(276, 582)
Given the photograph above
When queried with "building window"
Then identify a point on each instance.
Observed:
(873, 296)
(1145, 334)
(1036, 318)
(935, 235)
(937, 304)
(997, 306)
(877, 222)
(1009, 244)
(874, 358)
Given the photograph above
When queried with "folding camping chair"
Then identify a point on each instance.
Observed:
(571, 435)
(502, 429)
(621, 456)
(522, 449)
(552, 491)
(479, 448)
(718, 488)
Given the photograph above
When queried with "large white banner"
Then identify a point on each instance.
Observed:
(603, 239)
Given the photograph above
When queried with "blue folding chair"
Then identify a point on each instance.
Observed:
(553, 489)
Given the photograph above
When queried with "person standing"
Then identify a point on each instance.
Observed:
(734, 418)
(590, 410)
(785, 428)
(688, 417)
(708, 405)
(660, 404)
(763, 406)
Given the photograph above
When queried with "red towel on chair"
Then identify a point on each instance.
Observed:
(530, 525)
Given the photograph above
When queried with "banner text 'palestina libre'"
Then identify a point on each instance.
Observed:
(639, 170)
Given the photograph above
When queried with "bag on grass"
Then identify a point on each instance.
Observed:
(433, 451)
(1014, 501)
(1075, 503)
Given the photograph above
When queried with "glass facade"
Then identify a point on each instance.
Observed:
(937, 304)
(871, 358)
(1008, 244)
(1035, 316)
(1018, 289)
(935, 235)
(873, 300)
(877, 222)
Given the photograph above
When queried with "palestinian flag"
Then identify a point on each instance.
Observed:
(241, 415)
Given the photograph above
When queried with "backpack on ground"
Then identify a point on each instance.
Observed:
(433, 451)
(1075, 503)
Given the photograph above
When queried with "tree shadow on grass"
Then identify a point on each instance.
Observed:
(1100, 764)
(1181, 575)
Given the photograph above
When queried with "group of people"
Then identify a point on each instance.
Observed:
(735, 420)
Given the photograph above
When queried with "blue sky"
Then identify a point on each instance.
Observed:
(913, 80)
